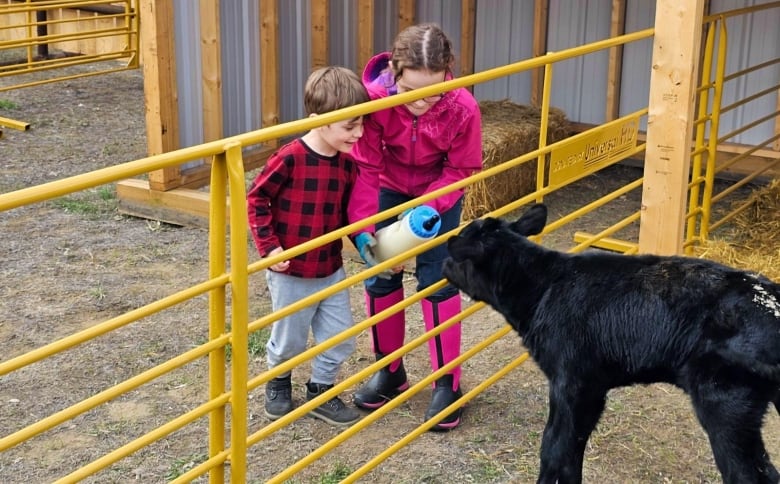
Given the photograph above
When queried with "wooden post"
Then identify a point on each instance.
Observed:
(406, 17)
(541, 13)
(468, 26)
(673, 80)
(365, 32)
(776, 144)
(615, 70)
(211, 70)
(159, 68)
(269, 64)
(319, 34)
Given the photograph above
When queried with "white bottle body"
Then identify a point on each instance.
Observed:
(406, 233)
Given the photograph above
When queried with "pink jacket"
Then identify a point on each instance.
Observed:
(414, 155)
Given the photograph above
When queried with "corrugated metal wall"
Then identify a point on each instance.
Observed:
(504, 34)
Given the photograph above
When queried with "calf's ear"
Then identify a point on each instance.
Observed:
(532, 222)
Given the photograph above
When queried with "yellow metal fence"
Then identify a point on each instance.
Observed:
(705, 162)
(226, 405)
(39, 38)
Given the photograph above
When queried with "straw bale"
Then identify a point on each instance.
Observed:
(508, 131)
(755, 243)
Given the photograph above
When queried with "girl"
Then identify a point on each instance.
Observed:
(405, 152)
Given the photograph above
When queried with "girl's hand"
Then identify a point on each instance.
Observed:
(279, 266)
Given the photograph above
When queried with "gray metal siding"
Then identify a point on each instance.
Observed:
(504, 35)
(637, 60)
(294, 56)
(240, 51)
(188, 74)
(579, 84)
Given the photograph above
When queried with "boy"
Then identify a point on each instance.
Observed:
(300, 194)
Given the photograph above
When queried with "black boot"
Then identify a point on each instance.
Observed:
(443, 396)
(383, 386)
(278, 397)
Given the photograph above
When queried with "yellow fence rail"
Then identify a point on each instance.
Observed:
(227, 286)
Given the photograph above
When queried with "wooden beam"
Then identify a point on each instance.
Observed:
(541, 14)
(468, 27)
(406, 16)
(615, 69)
(673, 81)
(269, 63)
(319, 34)
(365, 32)
(159, 69)
(211, 70)
(179, 206)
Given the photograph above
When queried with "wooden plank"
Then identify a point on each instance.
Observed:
(673, 81)
(365, 32)
(159, 68)
(211, 70)
(179, 206)
(319, 34)
(541, 14)
(269, 64)
(406, 17)
(615, 69)
(468, 28)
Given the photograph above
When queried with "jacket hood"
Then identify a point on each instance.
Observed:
(377, 73)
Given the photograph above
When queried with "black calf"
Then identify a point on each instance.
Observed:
(597, 321)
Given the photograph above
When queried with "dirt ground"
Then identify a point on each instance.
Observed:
(70, 263)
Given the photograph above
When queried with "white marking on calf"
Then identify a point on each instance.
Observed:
(767, 300)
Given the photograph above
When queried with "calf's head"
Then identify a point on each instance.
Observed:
(480, 255)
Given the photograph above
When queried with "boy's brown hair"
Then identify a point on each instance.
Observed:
(331, 88)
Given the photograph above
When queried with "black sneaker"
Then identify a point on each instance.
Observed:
(334, 411)
(443, 396)
(278, 398)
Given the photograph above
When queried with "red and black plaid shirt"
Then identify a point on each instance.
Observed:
(300, 195)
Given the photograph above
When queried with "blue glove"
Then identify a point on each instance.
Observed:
(365, 243)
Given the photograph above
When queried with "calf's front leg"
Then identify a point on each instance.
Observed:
(574, 412)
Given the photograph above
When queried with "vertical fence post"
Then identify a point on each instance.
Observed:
(694, 202)
(239, 314)
(217, 229)
(545, 119)
(712, 152)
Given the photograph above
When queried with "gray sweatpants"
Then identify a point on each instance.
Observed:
(326, 318)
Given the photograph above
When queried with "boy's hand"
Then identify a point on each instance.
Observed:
(279, 266)
(365, 242)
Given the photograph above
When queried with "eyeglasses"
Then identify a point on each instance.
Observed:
(427, 100)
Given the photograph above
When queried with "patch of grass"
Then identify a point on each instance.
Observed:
(90, 203)
(8, 105)
(98, 292)
(256, 344)
(182, 465)
(336, 474)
